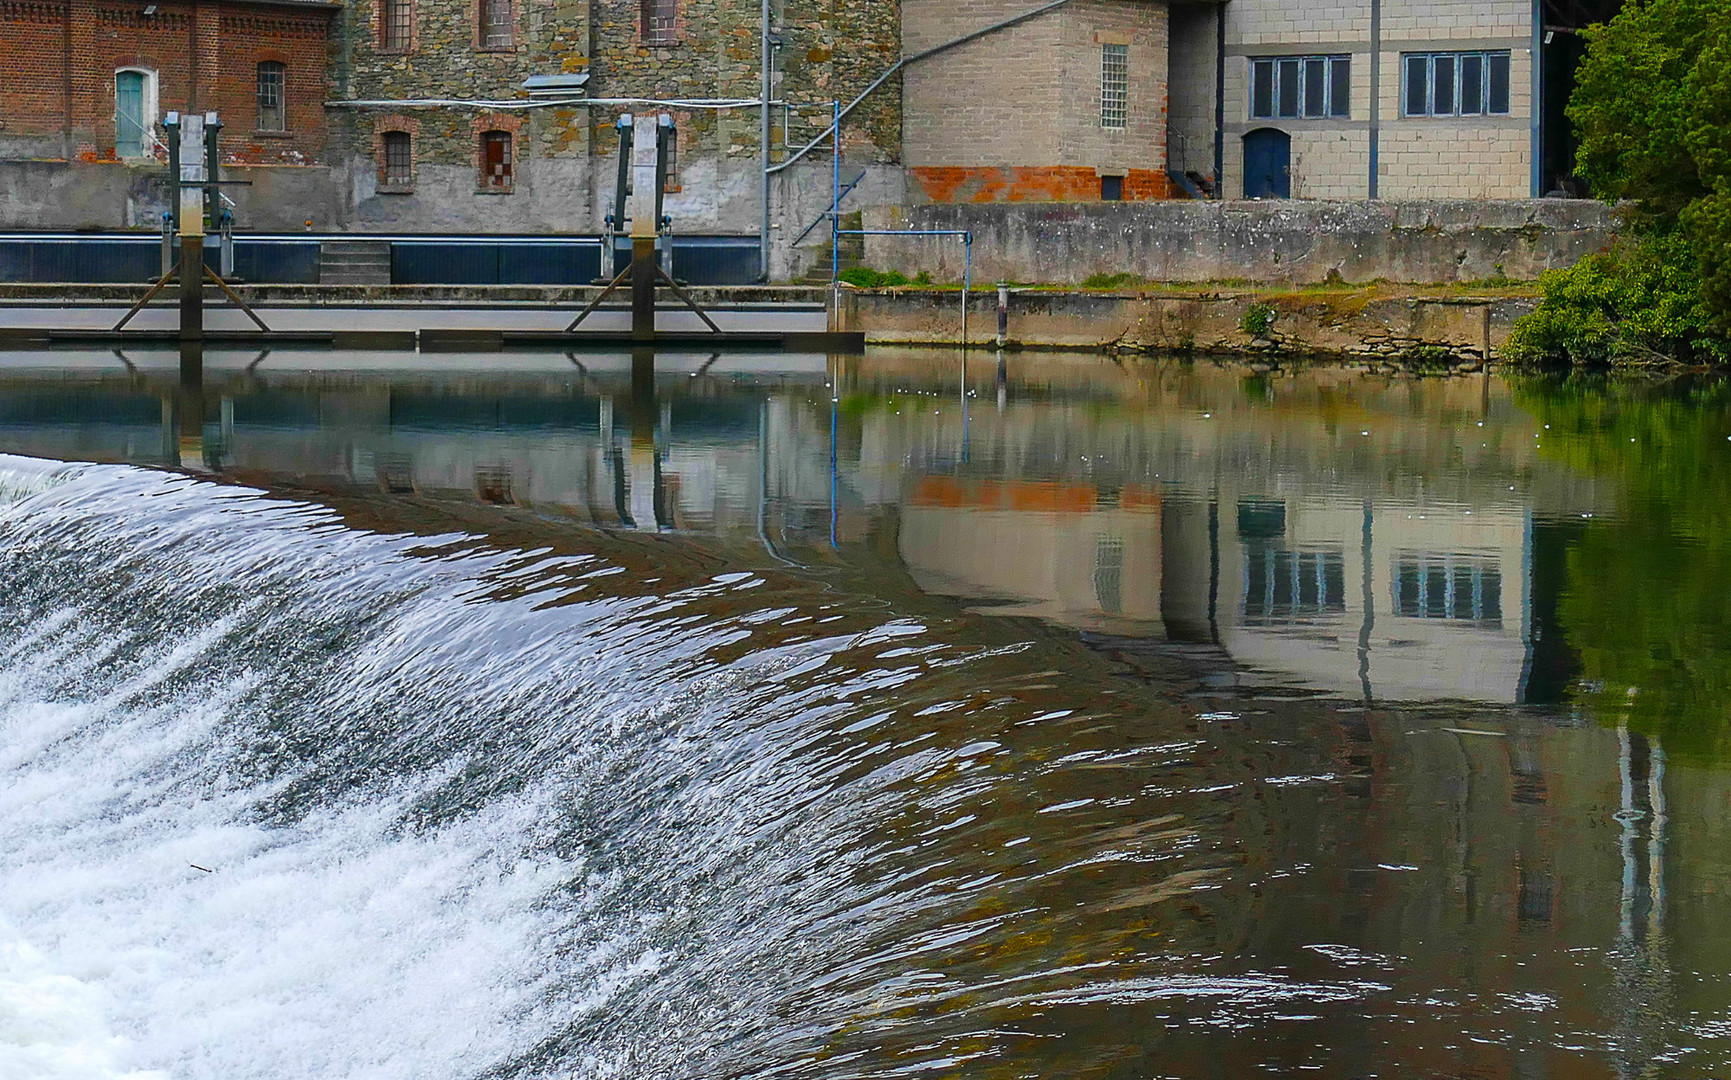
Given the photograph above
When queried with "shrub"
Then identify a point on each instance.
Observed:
(1257, 320)
(1639, 302)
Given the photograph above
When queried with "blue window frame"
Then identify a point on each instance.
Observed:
(1455, 84)
(1300, 87)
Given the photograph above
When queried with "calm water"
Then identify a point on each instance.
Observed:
(811, 718)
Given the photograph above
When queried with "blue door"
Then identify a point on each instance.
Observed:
(129, 113)
(1267, 164)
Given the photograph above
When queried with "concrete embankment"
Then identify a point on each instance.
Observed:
(1398, 323)
(1273, 242)
(1371, 322)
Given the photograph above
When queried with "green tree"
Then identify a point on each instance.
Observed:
(1652, 106)
(1646, 607)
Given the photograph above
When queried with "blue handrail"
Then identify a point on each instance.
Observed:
(834, 207)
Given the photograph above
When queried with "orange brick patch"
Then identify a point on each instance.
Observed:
(1057, 183)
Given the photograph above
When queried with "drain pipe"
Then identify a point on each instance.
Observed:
(824, 137)
(768, 75)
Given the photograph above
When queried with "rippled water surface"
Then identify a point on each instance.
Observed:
(528, 716)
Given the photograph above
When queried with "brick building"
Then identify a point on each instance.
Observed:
(415, 115)
(90, 80)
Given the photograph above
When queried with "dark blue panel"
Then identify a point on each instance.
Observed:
(715, 260)
(444, 264)
(707, 260)
(15, 261)
(277, 262)
(549, 264)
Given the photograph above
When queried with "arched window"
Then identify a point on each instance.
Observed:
(496, 24)
(396, 24)
(397, 160)
(496, 161)
(272, 96)
(134, 112)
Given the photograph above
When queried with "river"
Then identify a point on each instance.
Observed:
(479, 718)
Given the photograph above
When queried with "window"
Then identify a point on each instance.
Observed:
(1111, 189)
(496, 24)
(1449, 587)
(398, 167)
(1456, 84)
(396, 27)
(660, 22)
(1300, 87)
(1283, 585)
(496, 161)
(272, 110)
(1114, 86)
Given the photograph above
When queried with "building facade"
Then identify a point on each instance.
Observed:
(416, 115)
(91, 80)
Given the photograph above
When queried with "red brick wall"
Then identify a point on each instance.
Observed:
(32, 76)
(1059, 183)
(205, 57)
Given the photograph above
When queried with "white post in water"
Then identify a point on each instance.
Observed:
(645, 228)
(191, 199)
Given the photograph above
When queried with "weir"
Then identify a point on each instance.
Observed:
(641, 239)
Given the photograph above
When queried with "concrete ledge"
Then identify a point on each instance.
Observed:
(1344, 323)
(1281, 241)
(575, 296)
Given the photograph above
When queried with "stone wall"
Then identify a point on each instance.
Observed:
(1395, 329)
(566, 157)
(1428, 242)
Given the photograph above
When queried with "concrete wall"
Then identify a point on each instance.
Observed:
(112, 195)
(1289, 241)
(1395, 329)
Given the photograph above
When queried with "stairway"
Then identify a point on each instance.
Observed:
(817, 271)
(355, 262)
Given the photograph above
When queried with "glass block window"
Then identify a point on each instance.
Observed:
(396, 27)
(660, 22)
(1114, 86)
(398, 168)
(1455, 84)
(272, 107)
(1300, 87)
(496, 23)
(1464, 588)
(496, 160)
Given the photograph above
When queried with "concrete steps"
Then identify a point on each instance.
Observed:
(817, 271)
(355, 262)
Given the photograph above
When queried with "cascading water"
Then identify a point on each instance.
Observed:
(1151, 722)
(286, 798)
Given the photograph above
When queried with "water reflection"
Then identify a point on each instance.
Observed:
(1395, 747)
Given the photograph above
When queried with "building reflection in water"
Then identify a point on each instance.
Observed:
(1247, 538)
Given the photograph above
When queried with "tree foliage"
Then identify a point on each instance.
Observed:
(1645, 607)
(1652, 107)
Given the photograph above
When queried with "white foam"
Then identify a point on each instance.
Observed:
(51, 1025)
(22, 477)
